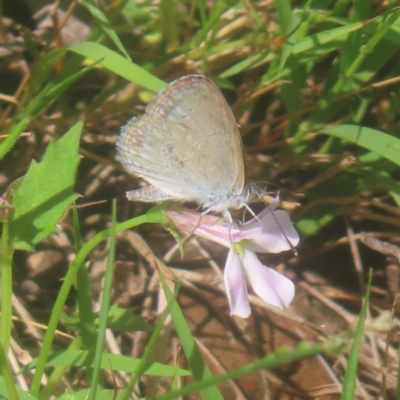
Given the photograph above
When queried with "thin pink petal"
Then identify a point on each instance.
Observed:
(277, 229)
(208, 226)
(235, 284)
(268, 284)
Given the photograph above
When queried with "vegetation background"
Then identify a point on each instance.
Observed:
(314, 86)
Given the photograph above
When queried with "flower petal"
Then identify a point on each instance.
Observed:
(268, 284)
(235, 284)
(208, 226)
(277, 229)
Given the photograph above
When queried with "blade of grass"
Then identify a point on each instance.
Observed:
(44, 99)
(250, 62)
(195, 359)
(384, 25)
(327, 36)
(105, 25)
(7, 375)
(58, 373)
(385, 145)
(144, 359)
(85, 358)
(351, 48)
(272, 360)
(105, 305)
(119, 65)
(220, 8)
(6, 287)
(86, 315)
(154, 215)
(349, 383)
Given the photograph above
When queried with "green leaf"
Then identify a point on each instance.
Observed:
(46, 191)
(385, 145)
(22, 395)
(349, 383)
(192, 351)
(320, 216)
(39, 103)
(44, 68)
(102, 20)
(122, 319)
(101, 394)
(84, 358)
(119, 65)
(327, 36)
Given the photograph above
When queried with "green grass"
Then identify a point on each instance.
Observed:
(314, 88)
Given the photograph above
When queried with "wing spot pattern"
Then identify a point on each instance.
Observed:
(187, 139)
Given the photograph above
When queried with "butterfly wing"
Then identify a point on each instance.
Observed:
(187, 144)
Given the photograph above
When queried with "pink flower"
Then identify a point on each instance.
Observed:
(271, 232)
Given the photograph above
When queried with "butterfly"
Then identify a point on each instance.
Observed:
(187, 147)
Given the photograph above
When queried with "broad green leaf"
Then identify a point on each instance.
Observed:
(46, 191)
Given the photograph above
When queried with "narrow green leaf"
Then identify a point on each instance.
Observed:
(105, 305)
(102, 394)
(53, 90)
(84, 358)
(193, 354)
(123, 319)
(86, 321)
(58, 373)
(22, 395)
(351, 47)
(385, 145)
(119, 65)
(154, 215)
(102, 20)
(38, 104)
(335, 345)
(151, 348)
(349, 383)
(285, 13)
(215, 18)
(248, 63)
(325, 37)
(7, 384)
(43, 69)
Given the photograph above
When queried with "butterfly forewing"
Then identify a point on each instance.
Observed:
(187, 144)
